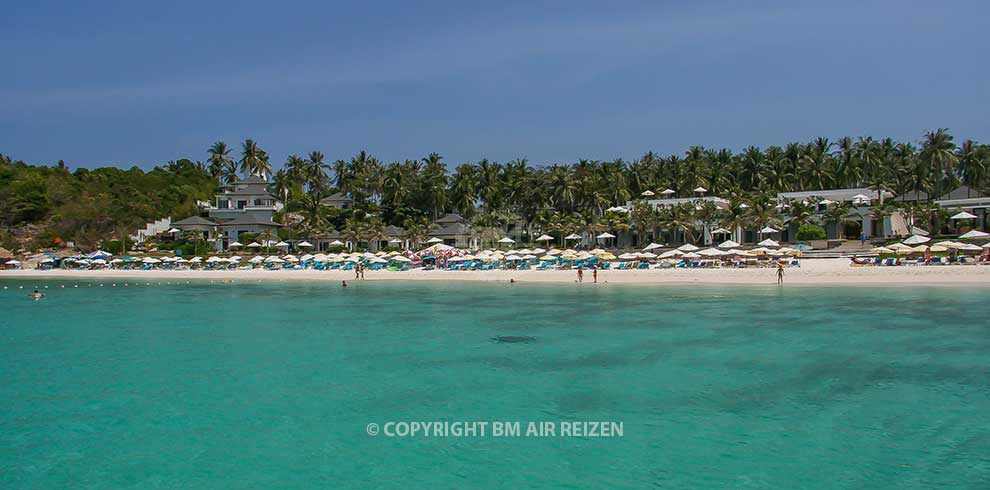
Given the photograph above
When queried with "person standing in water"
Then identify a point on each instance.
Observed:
(36, 295)
(594, 274)
(580, 275)
(780, 273)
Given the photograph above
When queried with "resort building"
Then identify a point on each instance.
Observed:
(243, 206)
(972, 201)
(455, 231)
(338, 201)
(861, 219)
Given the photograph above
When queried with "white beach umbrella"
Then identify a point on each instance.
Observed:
(668, 192)
(974, 234)
(401, 258)
(524, 251)
(647, 255)
(691, 255)
(274, 260)
(290, 257)
(769, 229)
(687, 247)
(572, 236)
(147, 260)
(506, 240)
(605, 236)
(114, 261)
(257, 259)
(395, 240)
(304, 244)
(720, 230)
(728, 244)
(196, 259)
(964, 215)
(538, 251)
(711, 252)
(544, 238)
(916, 239)
(671, 253)
(307, 257)
(336, 243)
(553, 251)
(768, 243)
(181, 261)
(513, 257)
(236, 245)
(281, 244)
(174, 230)
(652, 246)
(434, 240)
(882, 250)
(647, 193)
(898, 246)
(700, 189)
(254, 245)
(629, 256)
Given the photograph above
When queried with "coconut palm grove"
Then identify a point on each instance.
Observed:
(41, 206)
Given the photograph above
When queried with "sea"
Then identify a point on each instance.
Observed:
(124, 384)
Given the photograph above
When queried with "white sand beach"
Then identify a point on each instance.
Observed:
(822, 272)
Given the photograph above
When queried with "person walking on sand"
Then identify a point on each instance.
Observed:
(357, 271)
(594, 274)
(780, 273)
(580, 275)
(362, 272)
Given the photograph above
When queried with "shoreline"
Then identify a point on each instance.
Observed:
(817, 272)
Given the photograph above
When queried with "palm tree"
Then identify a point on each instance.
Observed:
(219, 160)
(839, 214)
(938, 153)
(254, 160)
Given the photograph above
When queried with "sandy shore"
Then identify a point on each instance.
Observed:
(835, 272)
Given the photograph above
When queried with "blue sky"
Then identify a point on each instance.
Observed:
(135, 83)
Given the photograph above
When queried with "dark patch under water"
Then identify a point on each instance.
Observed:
(513, 339)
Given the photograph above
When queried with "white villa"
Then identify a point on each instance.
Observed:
(243, 206)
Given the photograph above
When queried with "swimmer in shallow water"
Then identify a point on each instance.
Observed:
(344, 284)
(36, 295)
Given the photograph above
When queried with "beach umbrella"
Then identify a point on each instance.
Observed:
(964, 215)
(506, 240)
(290, 258)
(174, 230)
(307, 257)
(304, 244)
(700, 189)
(916, 239)
(970, 247)
(948, 244)
(604, 236)
(671, 253)
(544, 238)
(148, 260)
(629, 256)
(652, 246)
(898, 246)
(548, 257)
(769, 229)
(254, 245)
(236, 245)
(768, 243)
(553, 251)
(181, 261)
(667, 192)
(114, 261)
(974, 234)
(400, 258)
(687, 247)
(538, 251)
(435, 240)
(196, 259)
(691, 255)
(610, 256)
(274, 260)
(645, 255)
(760, 250)
(513, 257)
(728, 244)
(524, 251)
(647, 193)
(881, 250)
(572, 236)
(336, 243)
(711, 252)
(281, 244)
(395, 240)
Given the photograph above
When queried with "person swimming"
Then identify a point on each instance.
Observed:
(344, 284)
(36, 295)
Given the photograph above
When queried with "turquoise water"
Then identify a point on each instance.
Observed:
(272, 386)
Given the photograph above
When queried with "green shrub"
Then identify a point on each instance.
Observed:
(809, 231)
